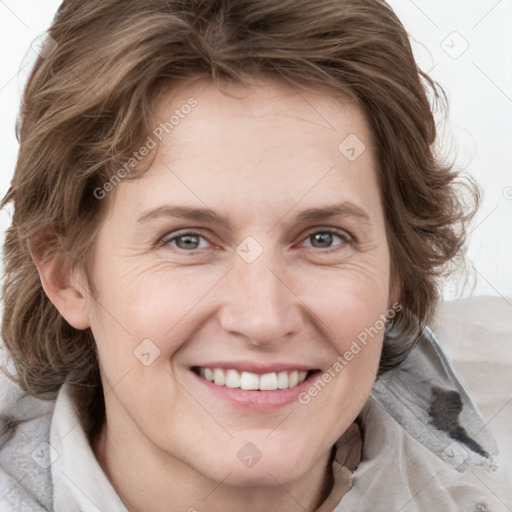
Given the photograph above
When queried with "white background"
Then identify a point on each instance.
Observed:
(478, 80)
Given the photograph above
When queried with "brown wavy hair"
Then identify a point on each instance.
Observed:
(90, 103)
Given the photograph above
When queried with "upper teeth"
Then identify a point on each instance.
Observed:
(248, 380)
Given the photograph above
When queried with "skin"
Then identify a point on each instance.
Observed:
(259, 156)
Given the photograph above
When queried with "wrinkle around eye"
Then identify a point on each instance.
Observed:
(211, 246)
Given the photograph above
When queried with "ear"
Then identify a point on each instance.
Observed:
(60, 284)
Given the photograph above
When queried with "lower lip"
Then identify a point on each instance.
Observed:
(258, 400)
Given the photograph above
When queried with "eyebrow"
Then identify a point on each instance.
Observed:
(208, 216)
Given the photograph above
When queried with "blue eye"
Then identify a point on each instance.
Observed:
(325, 239)
(320, 239)
(186, 241)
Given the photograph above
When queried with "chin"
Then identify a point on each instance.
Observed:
(270, 474)
(273, 464)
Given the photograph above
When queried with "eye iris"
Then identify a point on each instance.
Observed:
(324, 239)
(190, 241)
(319, 240)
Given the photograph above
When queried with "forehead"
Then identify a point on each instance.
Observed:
(267, 108)
(268, 144)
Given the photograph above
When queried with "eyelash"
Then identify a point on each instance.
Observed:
(343, 235)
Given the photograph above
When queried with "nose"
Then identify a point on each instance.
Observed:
(259, 303)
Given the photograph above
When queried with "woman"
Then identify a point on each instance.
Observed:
(228, 223)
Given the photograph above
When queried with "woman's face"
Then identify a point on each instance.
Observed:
(253, 251)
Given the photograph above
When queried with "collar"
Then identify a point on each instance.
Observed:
(423, 395)
(427, 399)
(79, 483)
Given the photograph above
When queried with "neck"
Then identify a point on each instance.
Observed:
(156, 484)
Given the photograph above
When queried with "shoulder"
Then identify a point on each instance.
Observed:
(399, 473)
(476, 334)
(397, 469)
(25, 476)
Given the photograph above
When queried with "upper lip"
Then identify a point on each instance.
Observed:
(258, 368)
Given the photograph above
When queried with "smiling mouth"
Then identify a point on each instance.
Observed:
(252, 381)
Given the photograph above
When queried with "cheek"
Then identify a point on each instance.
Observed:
(152, 300)
(350, 301)
(354, 320)
(145, 314)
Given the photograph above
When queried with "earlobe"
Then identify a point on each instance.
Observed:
(61, 285)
